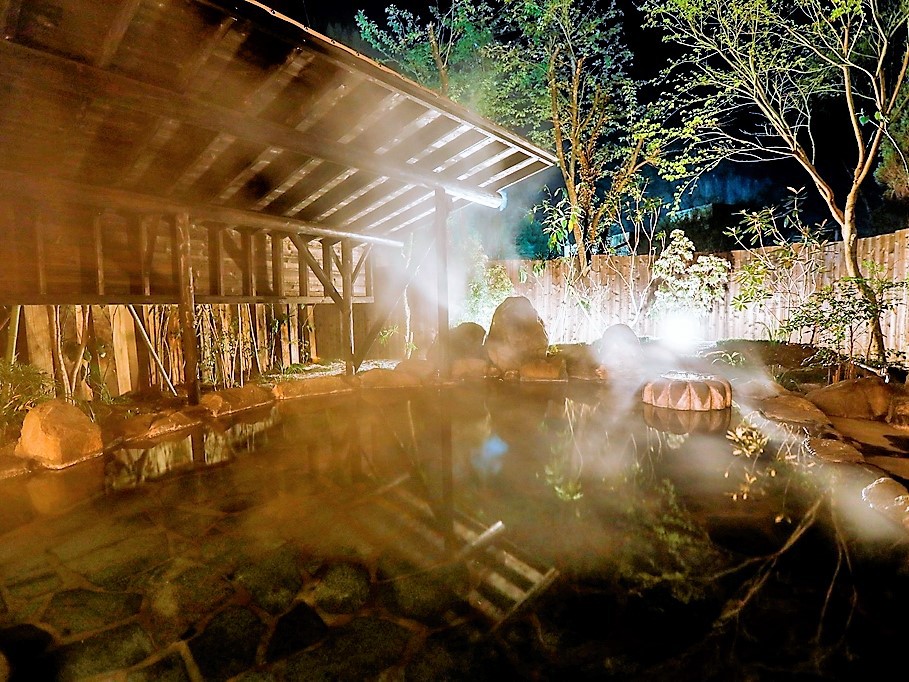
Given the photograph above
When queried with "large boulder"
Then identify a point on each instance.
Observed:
(618, 352)
(57, 434)
(516, 335)
(464, 342)
(864, 398)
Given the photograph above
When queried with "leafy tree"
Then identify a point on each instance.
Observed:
(893, 169)
(446, 53)
(753, 73)
(553, 70)
(563, 81)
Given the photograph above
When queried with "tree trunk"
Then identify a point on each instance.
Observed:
(853, 269)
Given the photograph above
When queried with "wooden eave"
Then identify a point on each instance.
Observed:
(240, 117)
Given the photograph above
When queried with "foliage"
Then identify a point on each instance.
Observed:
(893, 170)
(686, 282)
(839, 317)
(755, 73)
(21, 388)
(386, 335)
(786, 258)
(446, 53)
(488, 284)
(566, 86)
(223, 349)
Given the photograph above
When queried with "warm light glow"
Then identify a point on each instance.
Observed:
(680, 330)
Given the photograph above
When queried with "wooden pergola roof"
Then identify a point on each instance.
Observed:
(237, 115)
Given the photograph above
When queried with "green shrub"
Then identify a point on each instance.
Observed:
(21, 388)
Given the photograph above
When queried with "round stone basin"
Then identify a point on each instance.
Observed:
(688, 391)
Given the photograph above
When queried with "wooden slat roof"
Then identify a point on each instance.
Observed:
(234, 112)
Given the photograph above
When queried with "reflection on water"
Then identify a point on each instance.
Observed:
(560, 512)
(202, 446)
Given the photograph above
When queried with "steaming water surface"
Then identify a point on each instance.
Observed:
(217, 541)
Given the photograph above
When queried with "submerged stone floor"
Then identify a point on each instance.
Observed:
(221, 559)
(236, 574)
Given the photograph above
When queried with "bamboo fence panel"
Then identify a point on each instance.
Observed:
(570, 318)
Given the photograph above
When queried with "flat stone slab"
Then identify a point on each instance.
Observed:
(113, 649)
(358, 651)
(229, 644)
(298, 629)
(171, 668)
(302, 388)
(273, 580)
(73, 611)
(344, 588)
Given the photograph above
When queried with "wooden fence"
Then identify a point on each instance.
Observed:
(617, 293)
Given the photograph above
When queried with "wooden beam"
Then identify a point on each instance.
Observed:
(249, 269)
(328, 257)
(320, 274)
(77, 298)
(43, 71)
(385, 77)
(55, 192)
(360, 262)
(188, 311)
(347, 319)
(215, 260)
(302, 268)
(117, 30)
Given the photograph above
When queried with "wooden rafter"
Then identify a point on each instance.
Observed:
(42, 71)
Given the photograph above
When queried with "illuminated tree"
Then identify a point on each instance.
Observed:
(565, 84)
(553, 70)
(446, 53)
(753, 73)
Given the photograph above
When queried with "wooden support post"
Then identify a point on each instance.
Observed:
(347, 321)
(311, 333)
(215, 260)
(441, 228)
(445, 436)
(188, 310)
(249, 275)
(38, 338)
(293, 328)
(277, 264)
(12, 334)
